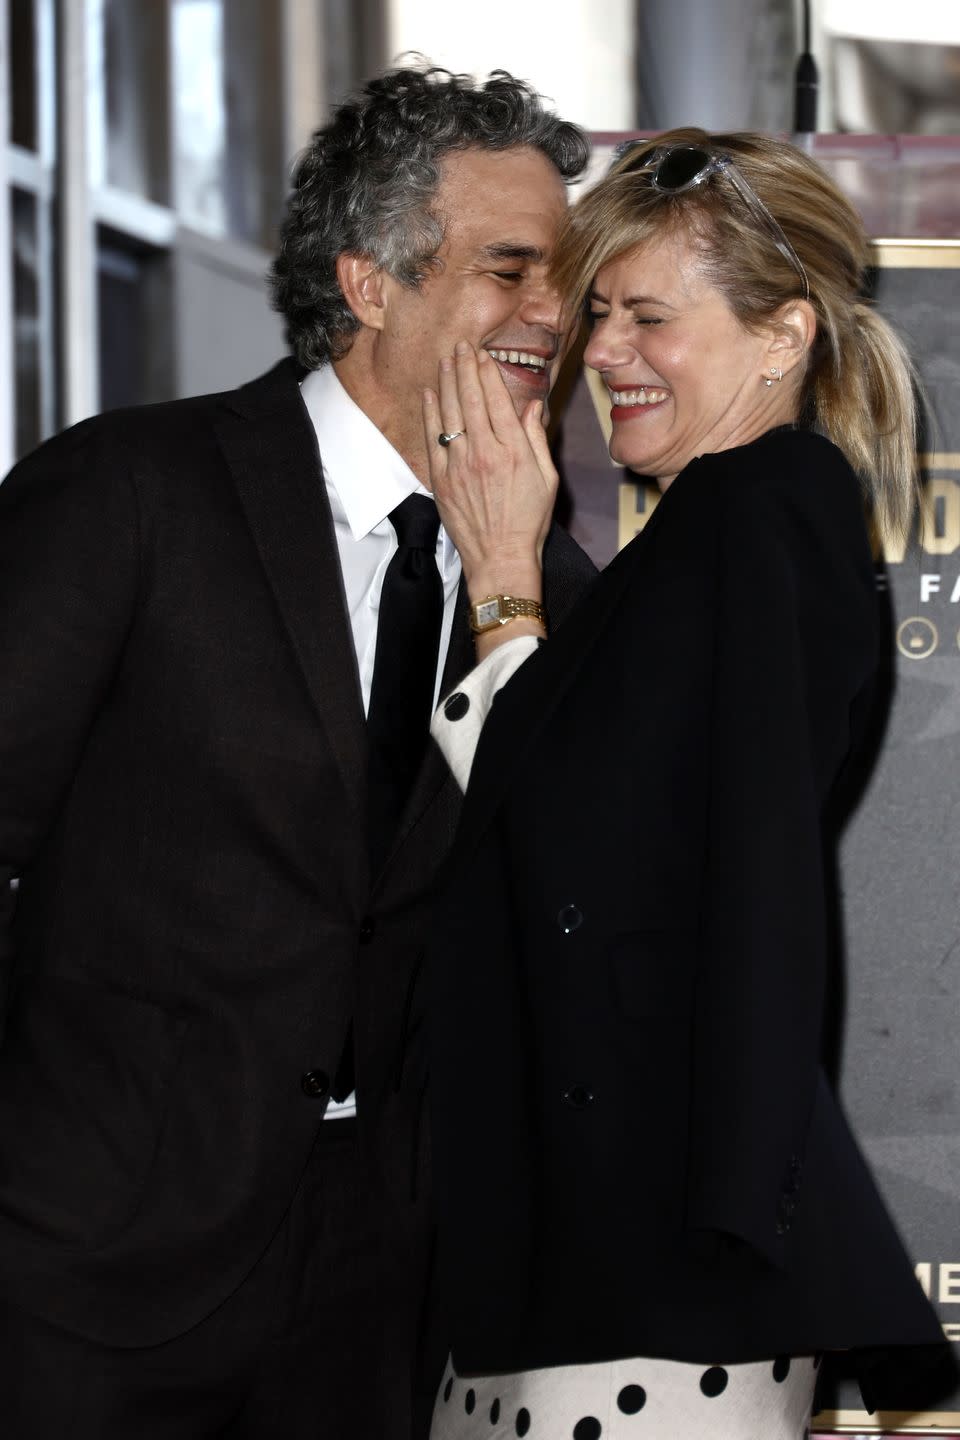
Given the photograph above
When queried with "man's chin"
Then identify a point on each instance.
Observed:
(522, 386)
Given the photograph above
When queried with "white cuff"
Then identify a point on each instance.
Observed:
(459, 719)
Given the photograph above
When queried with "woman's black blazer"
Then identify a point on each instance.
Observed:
(637, 1152)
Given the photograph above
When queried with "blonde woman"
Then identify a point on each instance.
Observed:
(653, 1217)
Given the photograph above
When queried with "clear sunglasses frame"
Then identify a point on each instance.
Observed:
(657, 161)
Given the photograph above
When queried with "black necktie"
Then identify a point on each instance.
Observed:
(404, 669)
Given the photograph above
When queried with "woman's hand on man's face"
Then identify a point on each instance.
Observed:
(495, 485)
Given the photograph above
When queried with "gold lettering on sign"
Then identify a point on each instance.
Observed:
(637, 503)
(940, 1281)
(940, 517)
(938, 522)
(949, 1293)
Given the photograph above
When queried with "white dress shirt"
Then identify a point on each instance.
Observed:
(366, 479)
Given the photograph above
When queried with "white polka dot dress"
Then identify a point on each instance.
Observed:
(631, 1400)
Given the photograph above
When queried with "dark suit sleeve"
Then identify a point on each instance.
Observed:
(68, 579)
(780, 707)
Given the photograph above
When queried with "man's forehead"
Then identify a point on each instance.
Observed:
(496, 231)
(519, 181)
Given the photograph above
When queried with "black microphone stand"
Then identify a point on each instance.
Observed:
(806, 83)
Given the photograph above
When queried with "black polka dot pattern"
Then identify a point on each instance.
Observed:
(713, 1382)
(631, 1399)
(521, 1405)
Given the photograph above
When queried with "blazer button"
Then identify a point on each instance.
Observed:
(569, 919)
(367, 930)
(578, 1097)
(315, 1084)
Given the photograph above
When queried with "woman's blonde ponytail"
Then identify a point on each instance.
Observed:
(864, 397)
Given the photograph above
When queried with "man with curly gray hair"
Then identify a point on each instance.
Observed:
(224, 623)
(422, 214)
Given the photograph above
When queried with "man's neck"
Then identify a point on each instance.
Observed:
(357, 377)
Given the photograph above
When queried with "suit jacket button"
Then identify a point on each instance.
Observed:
(578, 1096)
(366, 932)
(315, 1084)
(569, 919)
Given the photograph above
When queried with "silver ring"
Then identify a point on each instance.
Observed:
(444, 439)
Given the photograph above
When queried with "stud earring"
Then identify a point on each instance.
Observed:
(776, 372)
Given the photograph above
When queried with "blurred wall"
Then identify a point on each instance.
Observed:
(577, 52)
(724, 65)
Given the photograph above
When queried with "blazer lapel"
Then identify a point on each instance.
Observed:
(524, 706)
(270, 446)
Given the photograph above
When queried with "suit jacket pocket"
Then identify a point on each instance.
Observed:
(651, 973)
(84, 1077)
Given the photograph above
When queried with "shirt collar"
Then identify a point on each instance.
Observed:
(367, 475)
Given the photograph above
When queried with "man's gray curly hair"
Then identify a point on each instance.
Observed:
(367, 182)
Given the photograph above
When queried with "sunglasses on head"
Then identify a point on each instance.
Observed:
(675, 168)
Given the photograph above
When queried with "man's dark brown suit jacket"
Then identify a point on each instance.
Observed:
(182, 761)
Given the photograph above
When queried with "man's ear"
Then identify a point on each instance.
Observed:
(361, 281)
(793, 334)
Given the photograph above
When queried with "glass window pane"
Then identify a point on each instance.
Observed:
(133, 317)
(354, 45)
(200, 114)
(255, 159)
(27, 320)
(22, 119)
(229, 162)
(128, 97)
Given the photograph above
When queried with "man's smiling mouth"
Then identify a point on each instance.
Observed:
(536, 363)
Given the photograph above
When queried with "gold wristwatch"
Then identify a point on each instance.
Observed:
(501, 609)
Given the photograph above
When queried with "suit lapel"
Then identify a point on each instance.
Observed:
(270, 446)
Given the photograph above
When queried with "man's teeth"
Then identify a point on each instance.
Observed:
(519, 357)
(644, 396)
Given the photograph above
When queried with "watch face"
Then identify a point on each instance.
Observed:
(487, 612)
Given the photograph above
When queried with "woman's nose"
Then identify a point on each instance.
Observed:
(605, 349)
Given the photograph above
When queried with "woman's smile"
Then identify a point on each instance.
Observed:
(636, 403)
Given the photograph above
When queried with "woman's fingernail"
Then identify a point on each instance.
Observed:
(462, 348)
(446, 363)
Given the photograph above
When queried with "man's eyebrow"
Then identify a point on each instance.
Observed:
(512, 250)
